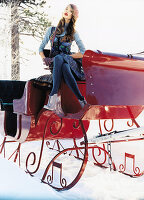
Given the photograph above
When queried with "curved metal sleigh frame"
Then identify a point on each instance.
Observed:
(111, 82)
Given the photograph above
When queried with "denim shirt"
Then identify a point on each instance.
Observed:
(76, 39)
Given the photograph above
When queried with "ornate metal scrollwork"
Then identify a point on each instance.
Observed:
(48, 176)
(102, 151)
(112, 125)
(55, 126)
(123, 167)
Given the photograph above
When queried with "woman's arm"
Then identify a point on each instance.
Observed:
(80, 46)
(44, 42)
(42, 54)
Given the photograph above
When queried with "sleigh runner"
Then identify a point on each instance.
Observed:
(107, 131)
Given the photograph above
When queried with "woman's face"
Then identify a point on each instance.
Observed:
(67, 14)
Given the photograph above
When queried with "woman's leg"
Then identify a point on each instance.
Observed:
(70, 80)
(57, 74)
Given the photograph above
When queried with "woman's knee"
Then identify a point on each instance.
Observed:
(58, 58)
(65, 67)
(66, 70)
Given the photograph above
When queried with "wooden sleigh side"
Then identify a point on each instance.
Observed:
(115, 84)
(114, 90)
(111, 85)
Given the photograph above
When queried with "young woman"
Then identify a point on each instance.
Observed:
(64, 64)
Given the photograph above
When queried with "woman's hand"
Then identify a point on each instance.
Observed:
(47, 68)
(76, 55)
(47, 61)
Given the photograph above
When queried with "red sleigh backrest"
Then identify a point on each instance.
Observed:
(113, 80)
(31, 102)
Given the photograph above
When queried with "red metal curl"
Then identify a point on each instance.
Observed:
(132, 123)
(100, 152)
(27, 160)
(109, 130)
(54, 125)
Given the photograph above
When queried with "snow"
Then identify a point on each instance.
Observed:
(96, 183)
(16, 184)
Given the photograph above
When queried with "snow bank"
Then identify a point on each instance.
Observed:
(96, 183)
(16, 184)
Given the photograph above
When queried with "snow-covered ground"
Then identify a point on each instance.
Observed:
(95, 184)
(16, 184)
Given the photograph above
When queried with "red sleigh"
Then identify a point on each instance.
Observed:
(107, 131)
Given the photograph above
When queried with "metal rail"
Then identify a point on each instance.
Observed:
(118, 135)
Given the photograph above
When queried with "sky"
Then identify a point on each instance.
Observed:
(112, 26)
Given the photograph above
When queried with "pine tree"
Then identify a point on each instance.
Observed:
(26, 19)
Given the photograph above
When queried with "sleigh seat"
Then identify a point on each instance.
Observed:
(31, 101)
